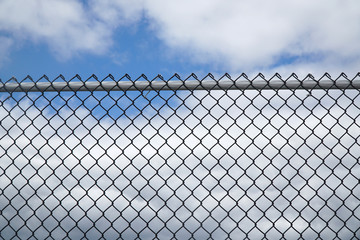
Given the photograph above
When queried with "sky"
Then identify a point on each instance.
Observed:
(200, 162)
(115, 37)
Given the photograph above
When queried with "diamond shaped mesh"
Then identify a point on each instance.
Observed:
(185, 164)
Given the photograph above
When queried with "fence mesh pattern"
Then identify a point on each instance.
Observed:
(190, 164)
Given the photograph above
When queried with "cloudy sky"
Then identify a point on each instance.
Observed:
(141, 36)
(197, 163)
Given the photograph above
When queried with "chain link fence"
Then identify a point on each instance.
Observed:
(182, 158)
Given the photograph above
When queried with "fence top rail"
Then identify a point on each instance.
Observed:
(157, 84)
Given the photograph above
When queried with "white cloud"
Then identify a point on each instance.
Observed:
(117, 12)
(68, 27)
(5, 45)
(251, 36)
(247, 35)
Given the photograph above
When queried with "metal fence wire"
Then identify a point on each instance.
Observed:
(192, 158)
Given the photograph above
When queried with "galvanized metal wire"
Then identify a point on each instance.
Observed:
(180, 158)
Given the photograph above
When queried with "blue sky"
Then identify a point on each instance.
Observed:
(163, 37)
(137, 52)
